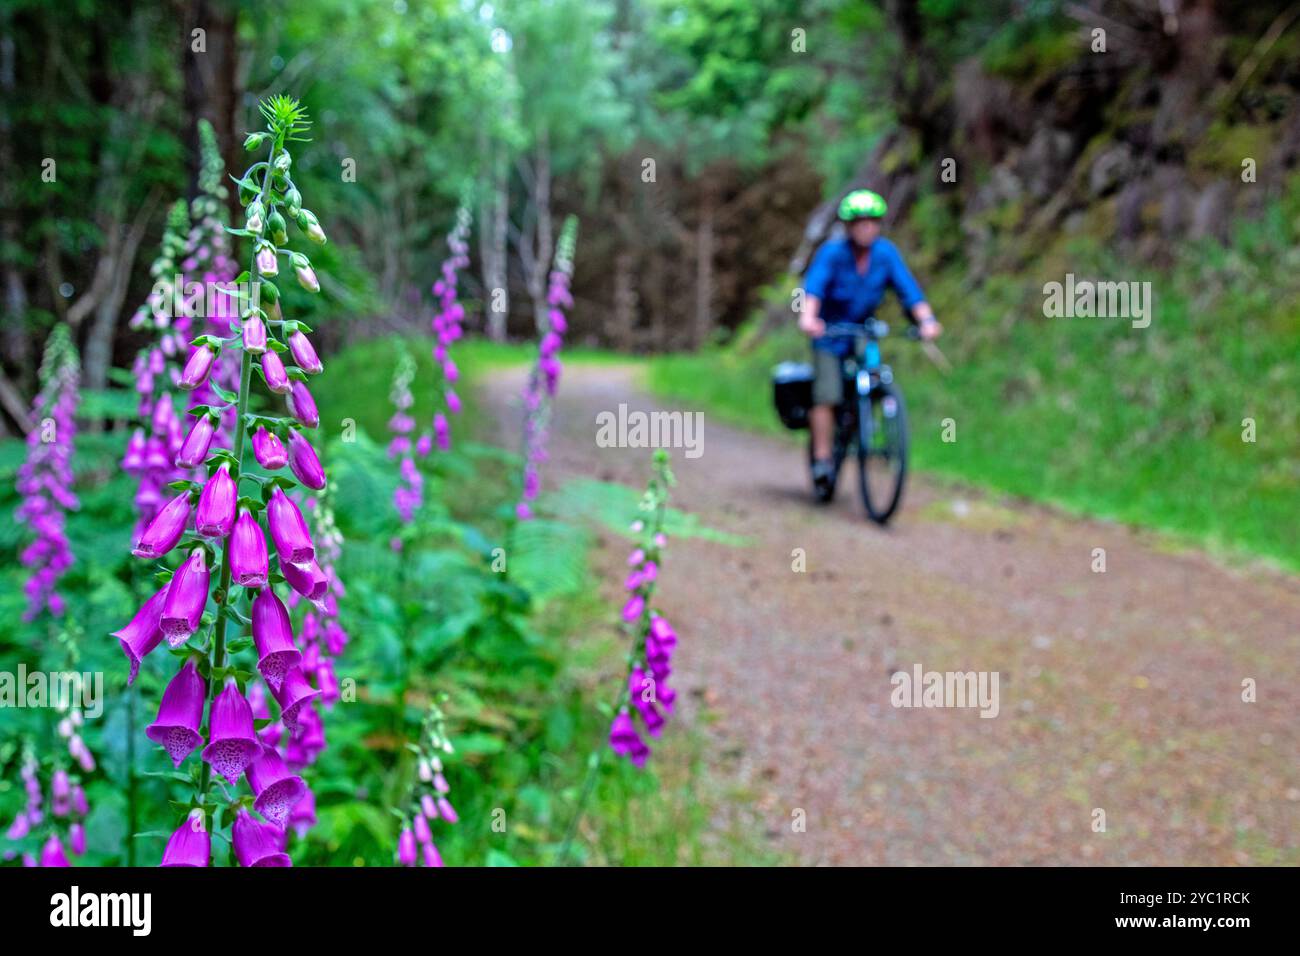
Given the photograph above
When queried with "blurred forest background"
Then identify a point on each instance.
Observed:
(700, 141)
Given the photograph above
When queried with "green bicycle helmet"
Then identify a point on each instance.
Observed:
(862, 204)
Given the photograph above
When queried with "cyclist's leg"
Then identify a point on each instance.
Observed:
(828, 389)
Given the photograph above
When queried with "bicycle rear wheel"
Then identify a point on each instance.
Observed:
(882, 451)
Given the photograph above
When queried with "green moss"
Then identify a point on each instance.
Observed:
(1029, 50)
(1225, 145)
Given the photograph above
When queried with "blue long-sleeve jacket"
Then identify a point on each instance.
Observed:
(849, 296)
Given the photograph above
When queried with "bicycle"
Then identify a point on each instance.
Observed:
(870, 417)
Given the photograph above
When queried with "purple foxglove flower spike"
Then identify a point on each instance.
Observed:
(650, 716)
(143, 634)
(133, 460)
(216, 512)
(663, 632)
(304, 354)
(422, 832)
(61, 793)
(190, 844)
(288, 530)
(180, 714)
(302, 406)
(165, 529)
(197, 368)
(292, 695)
(195, 449)
(273, 635)
(254, 335)
(257, 843)
(406, 849)
(269, 450)
(307, 579)
(447, 810)
(249, 563)
(303, 816)
(77, 838)
(52, 852)
(277, 379)
(232, 741)
(623, 738)
(303, 462)
(275, 789)
(186, 597)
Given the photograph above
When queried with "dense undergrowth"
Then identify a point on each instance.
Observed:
(518, 660)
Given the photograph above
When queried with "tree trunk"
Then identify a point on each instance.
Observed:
(212, 88)
(624, 303)
(492, 233)
(704, 238)
(658, 311)
(120, 253)
(13, 330)
(544, 247)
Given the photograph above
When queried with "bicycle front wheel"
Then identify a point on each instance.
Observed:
(882, 451)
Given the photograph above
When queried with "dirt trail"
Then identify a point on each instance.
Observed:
(1119, 691)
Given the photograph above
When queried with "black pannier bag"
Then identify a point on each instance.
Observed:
(792, 390)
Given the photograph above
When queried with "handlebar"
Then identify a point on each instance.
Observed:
(872, 328)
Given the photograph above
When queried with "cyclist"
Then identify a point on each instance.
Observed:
(846, 282)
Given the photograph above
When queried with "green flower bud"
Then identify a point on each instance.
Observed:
(309, 224)
(306, 274)
(254, 212)
(266, 263)
(255, 140)
(293, 201)
(277, 228)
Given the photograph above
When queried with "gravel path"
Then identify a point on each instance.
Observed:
(1119, 691)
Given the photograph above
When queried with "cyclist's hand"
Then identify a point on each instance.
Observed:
(811, 326)
(930, 329)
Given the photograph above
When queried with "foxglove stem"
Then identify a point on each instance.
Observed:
(219, 629)
(623, 730)
(539, 394)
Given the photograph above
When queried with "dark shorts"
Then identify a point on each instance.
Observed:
(828, 382)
